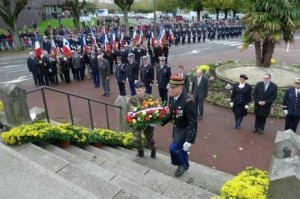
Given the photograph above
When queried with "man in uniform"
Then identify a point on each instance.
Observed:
(121, 76)
(291, 106)
(147, 74)
(163, 74)
(137, 100)
(184, 114)
(132, 73)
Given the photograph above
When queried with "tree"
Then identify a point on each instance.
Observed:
(91, 7)
(214, 4)
(75, 6)
(195, 5)
(9, 12)
(125, 6)
(166, 6)
(267, 23)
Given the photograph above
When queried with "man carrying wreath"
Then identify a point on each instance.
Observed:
(183, 112)
(136, 101)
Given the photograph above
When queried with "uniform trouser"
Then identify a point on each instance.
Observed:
(204, 37)
(55, 77)
(178, 155)
(122, 90)
(183, 40)
(76, 70)
(163, 93)
(291, 122)
(67, 75)
(260, 122)
(132, 88)
(46, 76)
(35, 78)
(137, 139)
(96, 79)
(194, 38)
(81, 72)
(105, 84)
(149, 89)
(199, 38)
(199, 103)
(189, 39)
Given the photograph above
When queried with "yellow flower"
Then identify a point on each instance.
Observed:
(1, 106)
(273, 61)
(204, 68)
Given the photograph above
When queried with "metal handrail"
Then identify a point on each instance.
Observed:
(42, 88)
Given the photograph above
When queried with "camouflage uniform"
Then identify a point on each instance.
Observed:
(148, 131)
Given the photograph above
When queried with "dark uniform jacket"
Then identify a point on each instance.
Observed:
(241, 97)
(147, 74)
(121, 73)
(94, 64)
(268, 96)
(31, 63)
(184, 114)
(163, 75)
(291, 102)
(132, 71)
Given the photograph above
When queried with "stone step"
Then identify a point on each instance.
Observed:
(129, 185)
(198, 175)
(152, 179)
(89, 182)
(22, 178)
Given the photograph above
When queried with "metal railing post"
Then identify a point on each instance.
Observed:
(107, 120)
(70, 109)
(45, 105)
(91, 115)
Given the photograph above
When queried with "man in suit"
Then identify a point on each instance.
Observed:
(291, 106)
(147, 74)
(184, 115)
(31, 64)
(163, 74)
(186, 84)
(264, 94)
(199, 91)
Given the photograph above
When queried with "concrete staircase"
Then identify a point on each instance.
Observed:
(47, 171)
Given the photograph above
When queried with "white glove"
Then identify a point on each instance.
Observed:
(127, 79)
(186, 146)
(136, 81)
(285, 112)
(231, 104)
(246, 106)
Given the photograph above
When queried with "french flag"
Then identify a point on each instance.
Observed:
(66, 48)
(94, 42)
(152, 41)
(114, 42)
(38, 49)
(54, 48)
(83, 42)
(107, 45)
(171, 37)
(122, 41)
(162, 37)
(141, 38)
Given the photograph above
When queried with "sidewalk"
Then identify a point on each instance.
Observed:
(217, 144)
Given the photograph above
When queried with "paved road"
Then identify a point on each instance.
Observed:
(14, 69)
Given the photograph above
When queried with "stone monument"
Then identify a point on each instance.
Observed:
(122, 101)
(285, 167)
(15, 104)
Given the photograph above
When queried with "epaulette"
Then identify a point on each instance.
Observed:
(189, 99)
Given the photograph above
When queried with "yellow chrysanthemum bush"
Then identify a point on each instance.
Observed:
(80, 136)
(204, 68)
(250, 183)
(273, 61)
(1, 106)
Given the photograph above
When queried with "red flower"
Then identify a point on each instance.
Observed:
(147, 118)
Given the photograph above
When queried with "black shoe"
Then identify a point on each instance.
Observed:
(153, 153)
(179, 171)
(260, 131)
(200, 117)
(238, 126)
(140, 153)
(254, 130)
(104, 94)
(107, 95)
(235, 126)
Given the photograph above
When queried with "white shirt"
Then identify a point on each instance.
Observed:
(241, 85)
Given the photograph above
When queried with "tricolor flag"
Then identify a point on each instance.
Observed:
(135, 38)
(54, 48)
(141, 38)
(122, 41)
(162, 37)
(66, 48)
(152, 41)
(94, 42)
(114, 42)
(83, 42)
(171, 37)
(38, 49)
(107, 45)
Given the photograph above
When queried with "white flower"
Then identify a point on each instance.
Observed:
(144, 112)
(135, 109)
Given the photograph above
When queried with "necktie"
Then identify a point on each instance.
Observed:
(266, 86)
